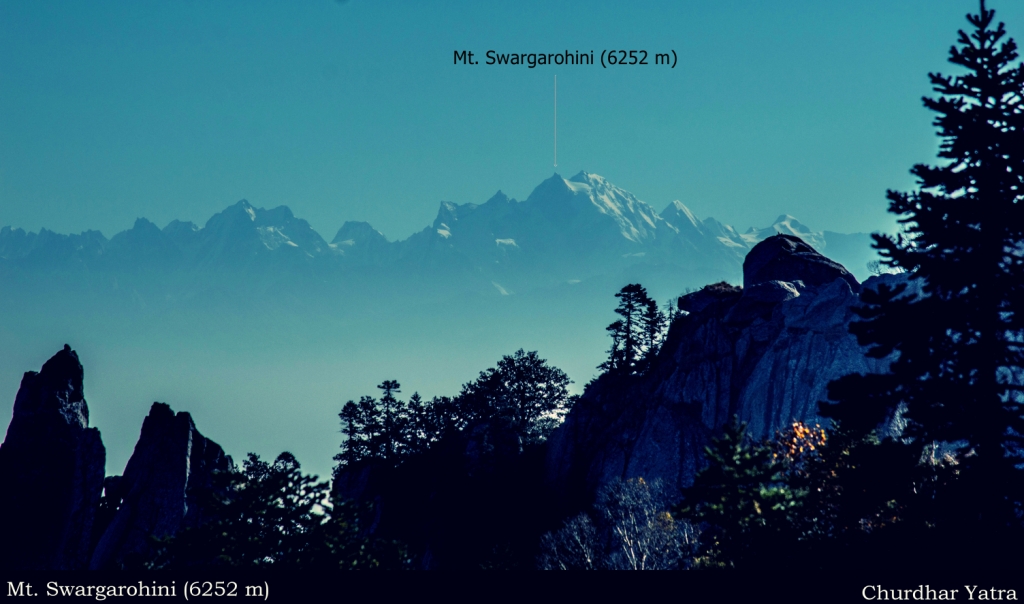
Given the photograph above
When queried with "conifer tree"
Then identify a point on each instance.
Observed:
(654, 324)
(956, 326)
(396, 425)
(636, 337)
(376, 429)
(743, 499)
(361, 426)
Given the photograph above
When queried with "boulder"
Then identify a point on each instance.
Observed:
(789, 258)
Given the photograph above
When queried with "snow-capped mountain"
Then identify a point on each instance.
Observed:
(254, 314)
(566, 227)
(243, 229)
(566, 231)
(786, 225)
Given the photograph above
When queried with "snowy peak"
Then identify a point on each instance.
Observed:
(553, 190)
(585, 192)
(724, 233)
(786, 225)
(566, 229)
(448, 215)
(593, 180)
(680, 216)
(244, 231)
(243, 212)
(597, 186)
(470, 219)
(360, 243)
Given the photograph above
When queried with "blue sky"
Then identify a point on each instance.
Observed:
(354, 111)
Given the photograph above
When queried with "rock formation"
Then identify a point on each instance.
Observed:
(52, 477)
(764, 352)
(168, 476)
(51, 469)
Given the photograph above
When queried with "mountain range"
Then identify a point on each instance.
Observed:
(255, 315)
(566, 231)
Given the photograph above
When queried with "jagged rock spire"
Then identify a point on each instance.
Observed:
(51, 469)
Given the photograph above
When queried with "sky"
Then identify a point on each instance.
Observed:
(356, 111)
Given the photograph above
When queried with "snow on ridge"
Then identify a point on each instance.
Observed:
(678, 208)
(273, 238)
(586, 203)
(637, 220)
(786, 225)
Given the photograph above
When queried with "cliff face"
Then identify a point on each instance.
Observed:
(52, 477)
(164, 484)
(765, 352)
(51, 471)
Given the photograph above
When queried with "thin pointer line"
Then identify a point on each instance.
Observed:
(556, 121)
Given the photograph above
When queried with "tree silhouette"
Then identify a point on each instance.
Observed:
(956, 324)
(637, 336)
(360, 423)
(523, 393)
(384, 429)
(272, 515)
(522, 396)
(396, 423)
(744, 501)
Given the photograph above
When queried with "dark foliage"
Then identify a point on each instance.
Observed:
(955, 326)
(522, 397)
(274, 516)
(456, 508)
(523, 393)
(744, 503)
(459, 479)
(811, 499)
(637, 336)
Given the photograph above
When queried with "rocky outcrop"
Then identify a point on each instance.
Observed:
(53, 485)
(788, 258)
(166, 481)
(51, 469)
(765, 352)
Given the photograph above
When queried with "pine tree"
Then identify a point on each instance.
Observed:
(654, 324)
(396, 425)
(375, 429)
(957, 325)
(361, 426)
(743, 499)
(637, 336)
(617, 353)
